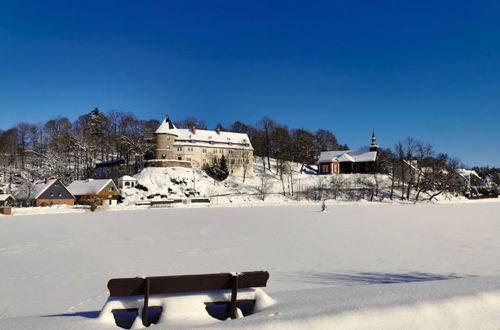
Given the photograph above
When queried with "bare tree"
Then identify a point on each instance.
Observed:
(246, 162)
(337, 185)
(265, 185)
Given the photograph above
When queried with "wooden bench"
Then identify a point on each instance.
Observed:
(161, 285)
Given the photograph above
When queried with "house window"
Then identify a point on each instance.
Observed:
(111, 188)
(127, 184)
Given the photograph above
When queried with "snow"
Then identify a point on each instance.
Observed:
(468, 173)
(88, 187)
(356, 155)
(183, 309)
(126, 178)
(201, 138)
(359, 265)
(4, 197)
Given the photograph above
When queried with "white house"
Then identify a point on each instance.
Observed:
(126, 182)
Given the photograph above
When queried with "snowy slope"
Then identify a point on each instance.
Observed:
(181, 183)
(360, 265)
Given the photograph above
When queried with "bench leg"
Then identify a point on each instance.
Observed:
(234, 294)
(145, 320)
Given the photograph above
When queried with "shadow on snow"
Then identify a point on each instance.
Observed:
(325, 278)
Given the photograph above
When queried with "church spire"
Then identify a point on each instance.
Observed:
(374, 146)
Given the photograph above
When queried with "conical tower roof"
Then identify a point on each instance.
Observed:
(166, 127)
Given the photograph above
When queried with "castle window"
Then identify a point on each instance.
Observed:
(204, 151)
(179, 158)
(179, 148)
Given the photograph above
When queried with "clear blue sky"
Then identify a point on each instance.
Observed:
(427, 69)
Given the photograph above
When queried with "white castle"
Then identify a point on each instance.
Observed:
(196, 148)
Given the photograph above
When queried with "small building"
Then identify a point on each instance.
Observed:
(109, 168)
(362, 160)
(49, 192)
(127, 182)
(465, 179)
(6, 202)
(85, 191)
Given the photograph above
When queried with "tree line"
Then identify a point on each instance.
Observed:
(70, 150)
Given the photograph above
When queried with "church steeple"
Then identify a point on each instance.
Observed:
(374, 146)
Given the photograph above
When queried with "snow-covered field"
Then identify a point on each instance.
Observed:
(359, 265)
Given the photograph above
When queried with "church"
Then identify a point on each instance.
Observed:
(195, 148)
(362, 160)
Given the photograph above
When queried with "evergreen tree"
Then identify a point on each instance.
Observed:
(223, 169)
(218, 170)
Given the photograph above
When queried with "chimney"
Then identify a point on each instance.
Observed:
(193, 129)
(217, 131)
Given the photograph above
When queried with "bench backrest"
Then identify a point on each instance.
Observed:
(121, 287)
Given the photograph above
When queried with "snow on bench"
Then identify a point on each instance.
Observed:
(187, 298)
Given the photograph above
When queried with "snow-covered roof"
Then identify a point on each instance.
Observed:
(201, 137)
(356, 155)
(468, 173)
(212, 139)
(40, 187)
(88, 187)
(166, 126)
(4, 197)
(127, 178)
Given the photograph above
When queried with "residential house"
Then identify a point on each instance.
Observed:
(45, 193)
(102, 190)
(464, 180)
(6, 202)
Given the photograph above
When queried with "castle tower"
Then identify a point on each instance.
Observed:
(165, 138)
(374, 146)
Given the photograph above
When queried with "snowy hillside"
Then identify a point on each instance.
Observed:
(298, 184)
(362, 265)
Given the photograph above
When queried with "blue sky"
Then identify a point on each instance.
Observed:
(426, 69)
